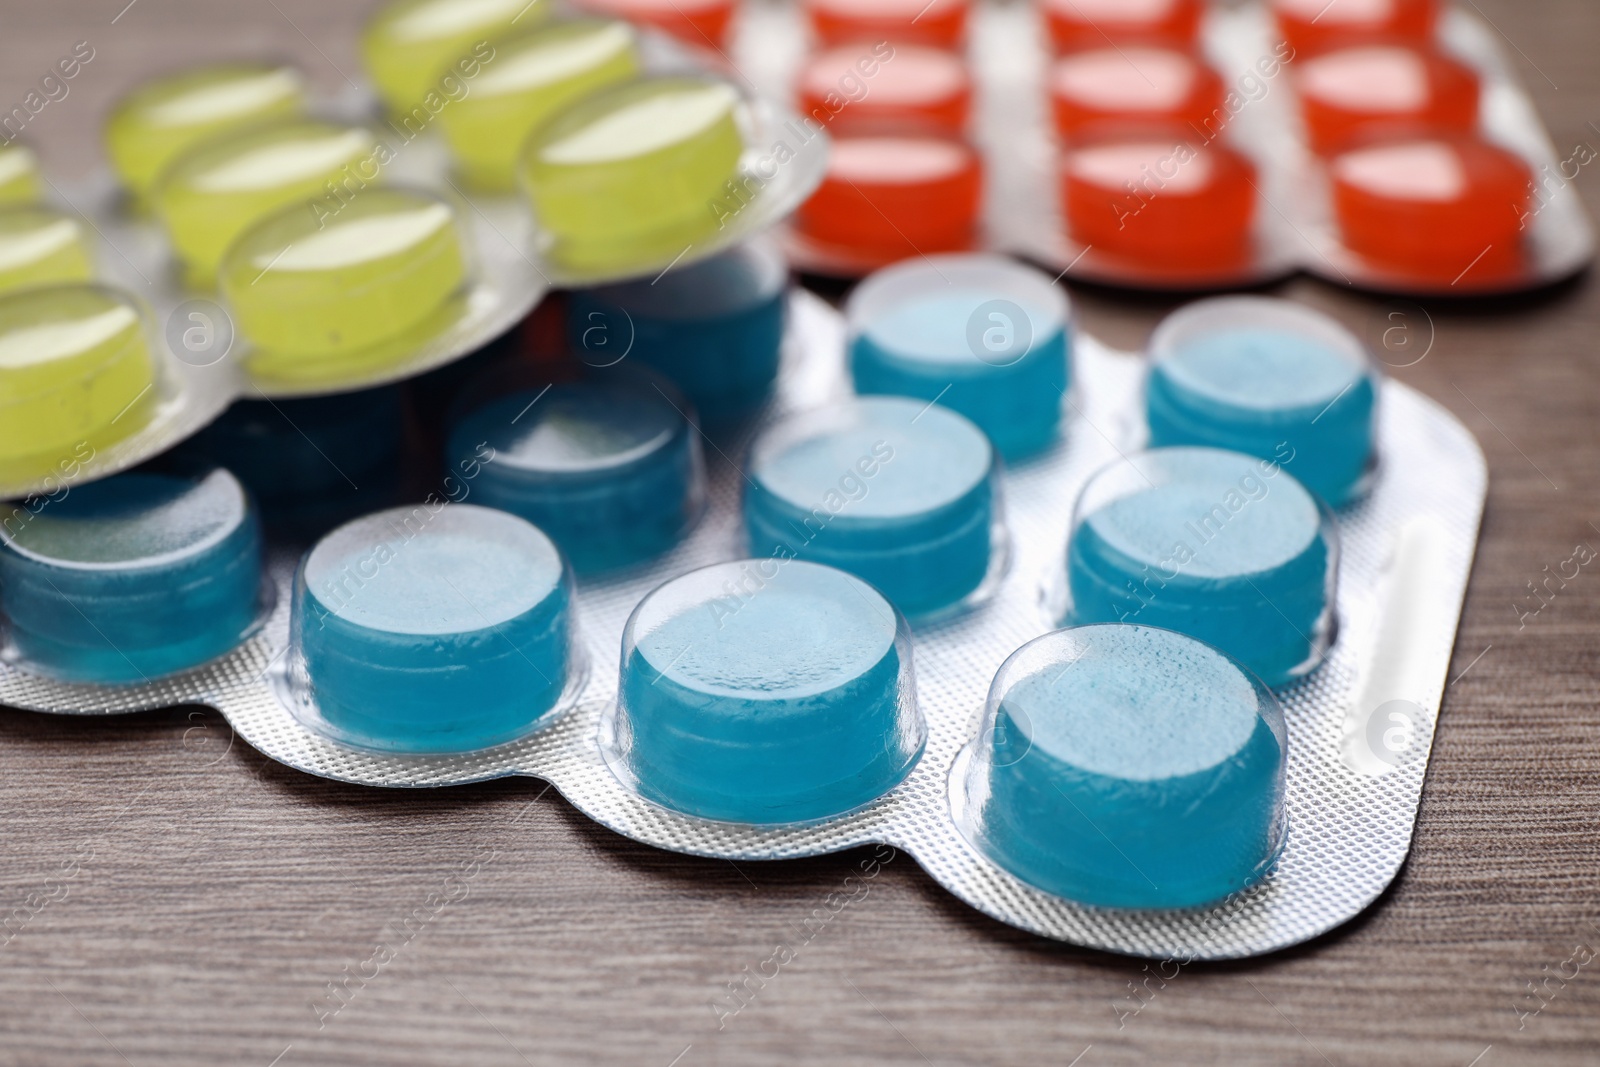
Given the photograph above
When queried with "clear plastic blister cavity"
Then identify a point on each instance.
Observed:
(715, 702)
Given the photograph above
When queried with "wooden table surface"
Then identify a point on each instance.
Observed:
(192, 901)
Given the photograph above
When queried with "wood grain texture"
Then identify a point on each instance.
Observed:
(198, 899)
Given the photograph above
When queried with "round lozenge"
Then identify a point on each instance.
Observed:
(1076, 24)
(157, 122)
(1351, 91)
(630, 174)
(715, 328)
(39, 246)
(610, 469)
(315, 294)
(883, 82)
(20, 182)
(765, 691)
(1224, 547)
(222, 187)
(701, 23)
(419, 52)
(131, 578)
(1160, 201)
(1269, 378)
(1434, 208)
(532, 77)
(983, 335)
(1128, 767)
(894, 194)
(901, 493)
(76, 375)
(1134, 83)
(1313, 26)
(434, 628)
(939, 23)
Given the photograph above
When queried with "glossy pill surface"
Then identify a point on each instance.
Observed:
(160, 120)
(892, 195)
(629, 174)
(901, 493)
(1353, 90)
(1078, 24)
(792, 702)
(1269, 378)
(1313, 26)
(317, 294)
(76, 375)
(214, 193)
(1134, 83)
(532, 77)
(411, 46)
(433, 628)
(1129, 767)
(983, 335)
(39, 246)
(1437, 209)
(131, 578)
(878, 82)
(1226, 548)
(700, 23)
(941, 23)
(1161, 201)
(611, 470)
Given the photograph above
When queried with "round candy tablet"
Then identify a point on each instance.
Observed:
(311, 463)
(131, 578)
(895, 194)
(715, 328)
(1135, 83)
(1092, 23)
(879, 82)
(157, 122)
(314, 295)
(75, 375)
(611, 469)
(1221, 546)
(941, 23)
(39, 246)
(983, 335)
(19, 175)
(1128, 767)
(1269, 378)
(1161, 201)
(414, 48)
(532, 77)
(628, 174)
(220, 188)
(766, 691)
(434, 628)
(1352, 90)
(901, 493)
(1436, 208)
(702, 23)
(1312, 26)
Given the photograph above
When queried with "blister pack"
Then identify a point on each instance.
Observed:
(1179, 145)
(256, 242)
(816, 654)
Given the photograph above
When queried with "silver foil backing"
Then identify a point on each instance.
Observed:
(1353, 782)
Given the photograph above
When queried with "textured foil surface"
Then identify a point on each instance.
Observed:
(1352, 796)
